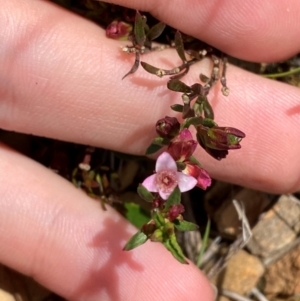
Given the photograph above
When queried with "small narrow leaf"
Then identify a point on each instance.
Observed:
(173, 199)
(158, 219)
(139, 29)
(178, 86)
(136, 240)
(153, 70)
(179, 46)
(204, 243)
(172, 245)
(209, 123)
(192, 121)
(156, 31)
(208, 110)
(203, 78)
(187, 111)
(153, 148)
(161, 141)
(135, 65)
(185, 226)
(145, 194)
(177, 108)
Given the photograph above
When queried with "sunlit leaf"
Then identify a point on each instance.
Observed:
(173, 199)
(156, 31)
(204, 243)
(172, 245)
(179, 46)
(136, 240)
(185, 226)
(139, 29)
(136, 214)
(178, 86)
(159, 219)
(145, 194)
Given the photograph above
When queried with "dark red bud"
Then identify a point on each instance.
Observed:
(167, 127)
(174, 211)
(118, 30)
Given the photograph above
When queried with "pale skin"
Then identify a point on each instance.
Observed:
(61, 78)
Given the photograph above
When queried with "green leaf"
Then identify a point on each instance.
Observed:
(177, 108)
(208, 110)
(135, 65)
(185, 226)
(158, 219)
(136, 214)
(192, 121)
(178, 86)
(136, 240)
(153, 70)
(203, 78)
(172, 245)
(209, 123)
(173, 199)
(156, 31)
(153, 148)
(139, 29)
(145, 194)
(179, 46)
(204, 243)
(161, 141)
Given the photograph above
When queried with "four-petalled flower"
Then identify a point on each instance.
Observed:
(166, 178)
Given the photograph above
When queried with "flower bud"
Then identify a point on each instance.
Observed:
(218, 140)
(118, 30)
(175, 211)
(167, 127)
(157, 236)
(149, 228)
(202, 176)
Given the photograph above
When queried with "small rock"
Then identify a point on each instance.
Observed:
(282, 278)
(241, 273)
(277, 228)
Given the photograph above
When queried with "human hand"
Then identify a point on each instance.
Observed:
(61, 78)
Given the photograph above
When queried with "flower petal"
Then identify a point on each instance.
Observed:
(150, 183)
(186, 182)
(165, 162)
(185, 134)
(164, 194)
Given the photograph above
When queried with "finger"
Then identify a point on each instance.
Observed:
(252, 30)
(62, 79)
(55, 233)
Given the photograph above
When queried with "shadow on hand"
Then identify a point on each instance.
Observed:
(105, 279)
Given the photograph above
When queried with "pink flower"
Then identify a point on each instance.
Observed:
(202, 176)
(183, 146)
(166, 178)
